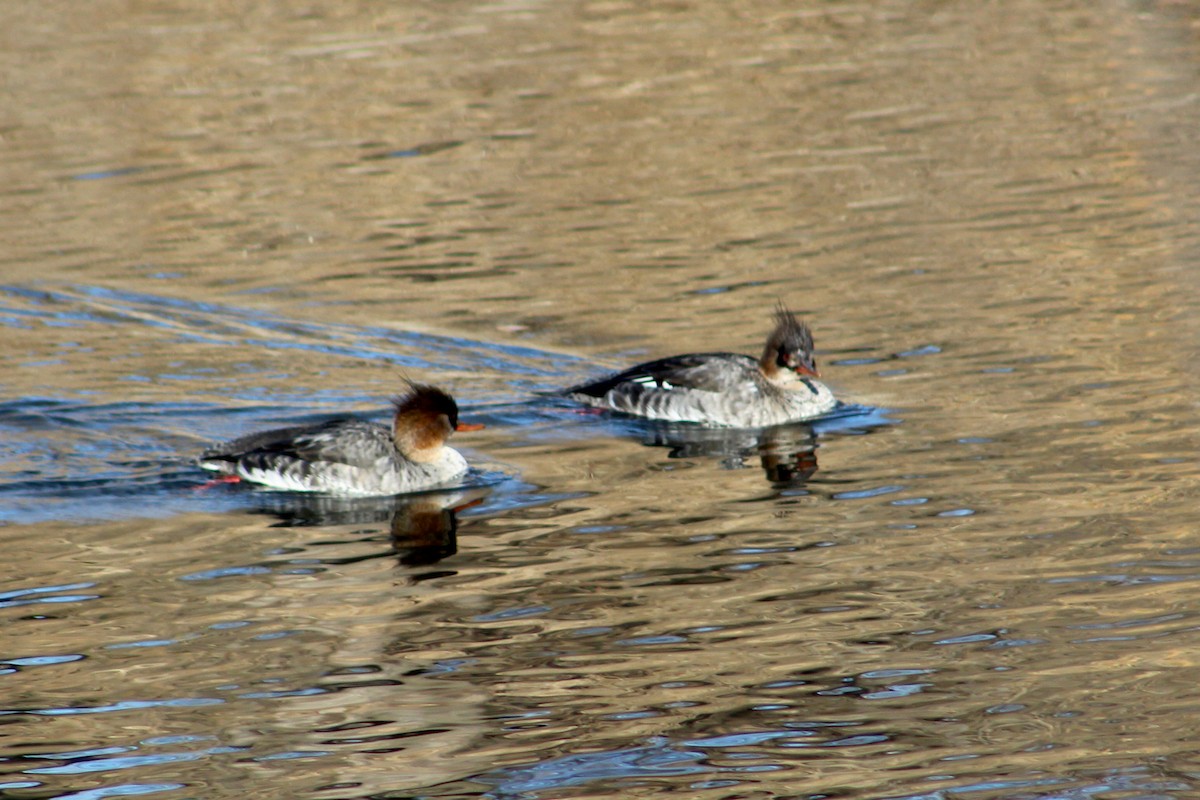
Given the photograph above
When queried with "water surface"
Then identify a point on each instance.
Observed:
(973, 583)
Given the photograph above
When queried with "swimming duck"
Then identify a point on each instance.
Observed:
(352, 456)
(722, 389)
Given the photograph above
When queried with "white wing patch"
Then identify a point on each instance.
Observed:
(652, 382)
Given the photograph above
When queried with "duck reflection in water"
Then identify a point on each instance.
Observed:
(786, 453)
(423, 527)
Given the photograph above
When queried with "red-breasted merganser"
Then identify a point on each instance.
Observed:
(353, 456)
(724, 389)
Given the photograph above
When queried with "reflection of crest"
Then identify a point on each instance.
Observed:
(787, 453)
(424, 527)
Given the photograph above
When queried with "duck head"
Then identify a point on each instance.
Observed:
(789, 347)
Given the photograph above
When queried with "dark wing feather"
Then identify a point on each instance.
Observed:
(705, 372)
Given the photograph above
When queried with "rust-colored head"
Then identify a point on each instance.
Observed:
(425, 418)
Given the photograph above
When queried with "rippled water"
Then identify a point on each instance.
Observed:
(974, 581)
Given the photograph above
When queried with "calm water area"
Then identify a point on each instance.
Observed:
(980, 579)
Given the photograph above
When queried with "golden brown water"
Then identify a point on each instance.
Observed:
(977, 585)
